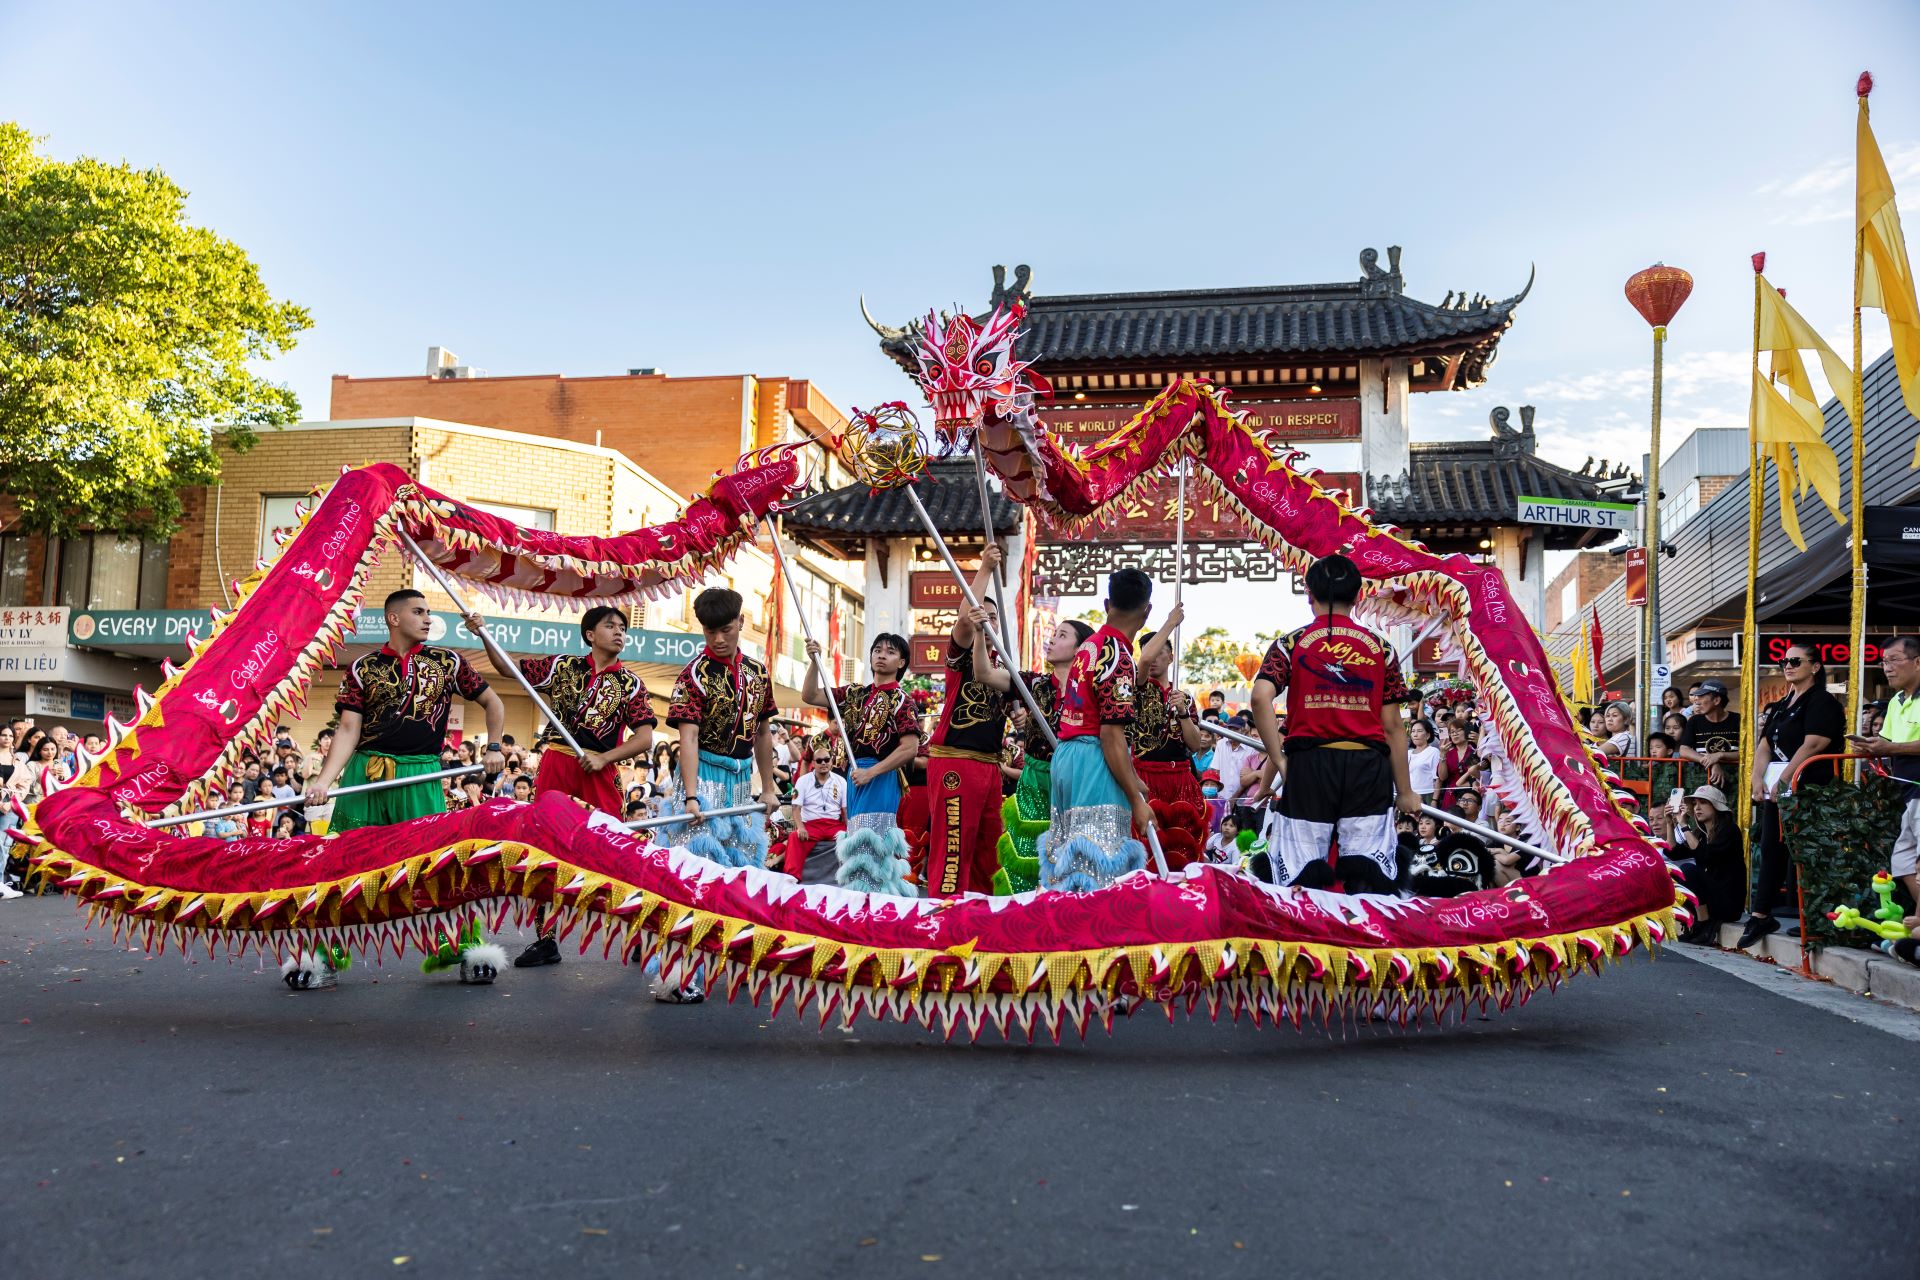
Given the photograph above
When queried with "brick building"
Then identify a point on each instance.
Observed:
(680, 430)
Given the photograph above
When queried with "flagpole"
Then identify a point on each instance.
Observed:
(1857, 621)
(1179, 564)
(1749, 632)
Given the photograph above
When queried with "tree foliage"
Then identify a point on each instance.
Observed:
(125, 336)
(1839, 834)
(1208, 659)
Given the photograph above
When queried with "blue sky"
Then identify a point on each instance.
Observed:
(708, 188)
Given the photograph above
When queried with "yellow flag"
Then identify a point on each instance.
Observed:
(1783, 329)
(1785, 420)
(1583, 694)
(1886, 276)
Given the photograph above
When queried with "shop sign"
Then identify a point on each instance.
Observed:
(929, 654)
(1697, 646)
(933, 589)
(62, 703)
(168, 628)
(1832, 650)
(33, 643)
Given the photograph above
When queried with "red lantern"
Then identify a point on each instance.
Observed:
(1658, 292)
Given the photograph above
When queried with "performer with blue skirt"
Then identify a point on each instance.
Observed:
(1097, 799)
(879, 718)
(722, 704)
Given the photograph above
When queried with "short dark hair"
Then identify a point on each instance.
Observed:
(1910, 644)
(717, 607)
(400, 597)
(1333, 579)
(599, 614)
(1082, 632)
(897, 643)
(1129, 590)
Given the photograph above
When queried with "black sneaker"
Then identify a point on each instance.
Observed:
(1757, 928)
(540, 951)
(689, 994)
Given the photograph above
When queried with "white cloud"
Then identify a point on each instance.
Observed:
(1824, 193)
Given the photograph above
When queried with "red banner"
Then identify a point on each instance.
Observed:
(1292, 421)
(1637, 577)
(933, 589)
(929, 654)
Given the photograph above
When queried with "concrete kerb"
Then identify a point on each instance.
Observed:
(1867, 973)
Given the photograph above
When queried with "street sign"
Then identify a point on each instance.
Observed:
(1637, 577)
(1576, 515)
(1662, 678)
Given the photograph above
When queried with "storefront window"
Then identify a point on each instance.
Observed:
(112, 571)
(526, 517)
(277, 515)
(14, 548)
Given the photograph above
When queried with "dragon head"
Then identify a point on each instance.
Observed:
(965, 363)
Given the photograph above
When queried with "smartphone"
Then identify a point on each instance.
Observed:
(1674, 800)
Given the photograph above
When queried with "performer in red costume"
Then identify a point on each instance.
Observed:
(1346, 741)
(1164, 738)
(607, 710)
(963, 764)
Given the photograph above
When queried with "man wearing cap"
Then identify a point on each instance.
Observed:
(1899, 742)
(1713, 733)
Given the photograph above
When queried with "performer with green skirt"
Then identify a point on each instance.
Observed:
(394, 704)
(1024, 814)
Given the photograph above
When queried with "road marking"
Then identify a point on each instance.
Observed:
(1782, 981)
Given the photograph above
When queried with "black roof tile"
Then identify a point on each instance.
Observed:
(949, 490)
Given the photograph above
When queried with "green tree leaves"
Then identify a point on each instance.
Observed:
(125, 337)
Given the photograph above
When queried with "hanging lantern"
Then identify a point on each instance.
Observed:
(1248, 665)
(1658, 293)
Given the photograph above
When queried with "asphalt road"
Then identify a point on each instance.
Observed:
(160, 1118)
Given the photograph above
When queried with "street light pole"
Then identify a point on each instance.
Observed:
(1657, 293)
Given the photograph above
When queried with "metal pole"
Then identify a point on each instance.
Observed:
(966, 590)
(1179, 563)
(1857, 615)
(1652, 642)
(494, 651)
(257, 805)
(667, 820)
(1000, 574)
(1452, 819)
(806, 630)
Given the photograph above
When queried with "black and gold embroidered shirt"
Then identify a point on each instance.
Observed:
(404, 699)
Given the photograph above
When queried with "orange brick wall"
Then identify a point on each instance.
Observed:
(283, 462)
(679, 429)
(1593, 571)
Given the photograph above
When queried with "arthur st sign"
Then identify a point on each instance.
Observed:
(1576, 515)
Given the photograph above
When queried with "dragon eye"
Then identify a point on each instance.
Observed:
(984, 365)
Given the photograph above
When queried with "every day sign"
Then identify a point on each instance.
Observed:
(168, 628)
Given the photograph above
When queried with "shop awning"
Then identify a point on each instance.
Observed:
(1817, 586)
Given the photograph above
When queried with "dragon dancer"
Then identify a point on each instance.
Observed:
(1098, 801)
(609, 713)
(886, 735)
(1024, 814)
(1164, 738)
(1345, 746)
(963, 763)
(394, 705)
(722, 706)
